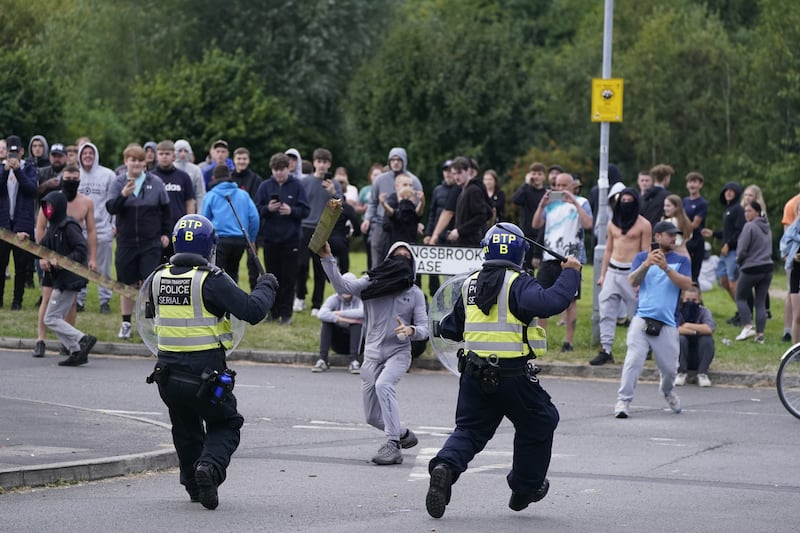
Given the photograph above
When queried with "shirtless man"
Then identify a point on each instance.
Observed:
(81, 208)
(628, 233)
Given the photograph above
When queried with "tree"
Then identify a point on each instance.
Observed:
(32, 103)
(219, 96)
(445, 81)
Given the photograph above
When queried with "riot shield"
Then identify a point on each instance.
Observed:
(145, 320)
(442, 303)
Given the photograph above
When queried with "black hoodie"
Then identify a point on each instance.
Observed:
(64, 236)
(732, 218)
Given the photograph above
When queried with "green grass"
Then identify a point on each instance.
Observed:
(303, 334)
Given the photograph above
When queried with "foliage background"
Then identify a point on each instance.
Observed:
(710, 85)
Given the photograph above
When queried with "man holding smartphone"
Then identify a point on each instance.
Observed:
(660, 274)
(281, 201)
(568, 216)
(18, 191)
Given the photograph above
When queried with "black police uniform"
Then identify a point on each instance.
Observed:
(517, 395)
(178, 377)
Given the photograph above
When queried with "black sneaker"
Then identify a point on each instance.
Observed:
(735, 320)
(787, 337)
(63, 350)
(105, 309)
(601, 358)
(518, 502)
(75, 359)
(439, 490)
(409, 440)
(205, 475)
(566, 347)
(86, 343)
(38, 351)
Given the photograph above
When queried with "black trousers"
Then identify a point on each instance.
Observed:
(195, 444)
(21, 261)
(696, 249)
(302, 271)
(281, 260)
(344, 340)
(229, 255)
(527, 405)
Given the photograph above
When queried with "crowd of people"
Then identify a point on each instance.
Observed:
(139, 201)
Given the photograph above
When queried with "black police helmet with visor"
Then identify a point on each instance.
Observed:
(194, 234)
(505, 242)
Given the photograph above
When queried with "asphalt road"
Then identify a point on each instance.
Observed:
(728, 463)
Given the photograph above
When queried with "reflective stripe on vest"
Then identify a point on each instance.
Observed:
(182, 323)
(500, 332)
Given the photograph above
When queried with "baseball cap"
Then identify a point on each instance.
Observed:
(666, 227)
(218, 143)
(58, 148)
(447, 164)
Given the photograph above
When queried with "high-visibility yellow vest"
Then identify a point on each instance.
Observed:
(182, 323)
(500, 332)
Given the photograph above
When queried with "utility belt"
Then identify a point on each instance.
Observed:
(489, 370)
(211, 385)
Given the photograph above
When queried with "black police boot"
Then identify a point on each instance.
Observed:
(439, 491)
(518, 502)
(205, 475)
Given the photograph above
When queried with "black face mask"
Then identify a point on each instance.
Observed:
(70, 188)
(690, 311)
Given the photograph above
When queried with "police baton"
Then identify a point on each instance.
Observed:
(538, 245)
(251, 249)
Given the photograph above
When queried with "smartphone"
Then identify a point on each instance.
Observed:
(654, 246)
(274, 198)
(13, 154)
(557, 196)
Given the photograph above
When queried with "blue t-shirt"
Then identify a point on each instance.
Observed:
(658, 296)
(695, 208)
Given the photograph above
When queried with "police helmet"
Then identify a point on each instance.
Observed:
(194, 234)
(505, 242)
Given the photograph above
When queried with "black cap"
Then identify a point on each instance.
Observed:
(58, 148)
(447, 164)
(666, 227)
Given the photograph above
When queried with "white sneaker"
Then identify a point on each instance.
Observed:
(125, 331)
(674, 402)
(703, 381)
(621, 409)
(680, 379)
(746, 333)
(320, 366)
(314, 312)
(354, 367)
(299, 305)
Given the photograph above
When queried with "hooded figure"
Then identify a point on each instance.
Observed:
(394, 315)
(733, 216)
(64, 236)
(183, 161)
(376, 215)
(626, 214)
(43, 160)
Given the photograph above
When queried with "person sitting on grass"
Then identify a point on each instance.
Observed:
(341, 315)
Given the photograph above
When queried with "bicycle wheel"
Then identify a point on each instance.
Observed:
(788, 381)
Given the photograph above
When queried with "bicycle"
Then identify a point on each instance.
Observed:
(788, 380)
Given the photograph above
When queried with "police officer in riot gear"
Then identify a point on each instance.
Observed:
(495, 316)
(190, 302)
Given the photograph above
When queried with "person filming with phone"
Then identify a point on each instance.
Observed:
(564, 216)
(660, 274)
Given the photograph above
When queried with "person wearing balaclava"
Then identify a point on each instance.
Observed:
(63, 236)
(627, 234)
(394, 315)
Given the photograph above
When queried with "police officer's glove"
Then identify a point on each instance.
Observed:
(268, 280)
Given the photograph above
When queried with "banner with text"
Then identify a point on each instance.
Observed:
(447, 260)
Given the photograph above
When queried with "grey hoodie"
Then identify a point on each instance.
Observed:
(385, 184)
(96, 184)
(754, 247)
(194, 172)
(380, 314)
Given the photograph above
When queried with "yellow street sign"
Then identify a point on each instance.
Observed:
(607, 100)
